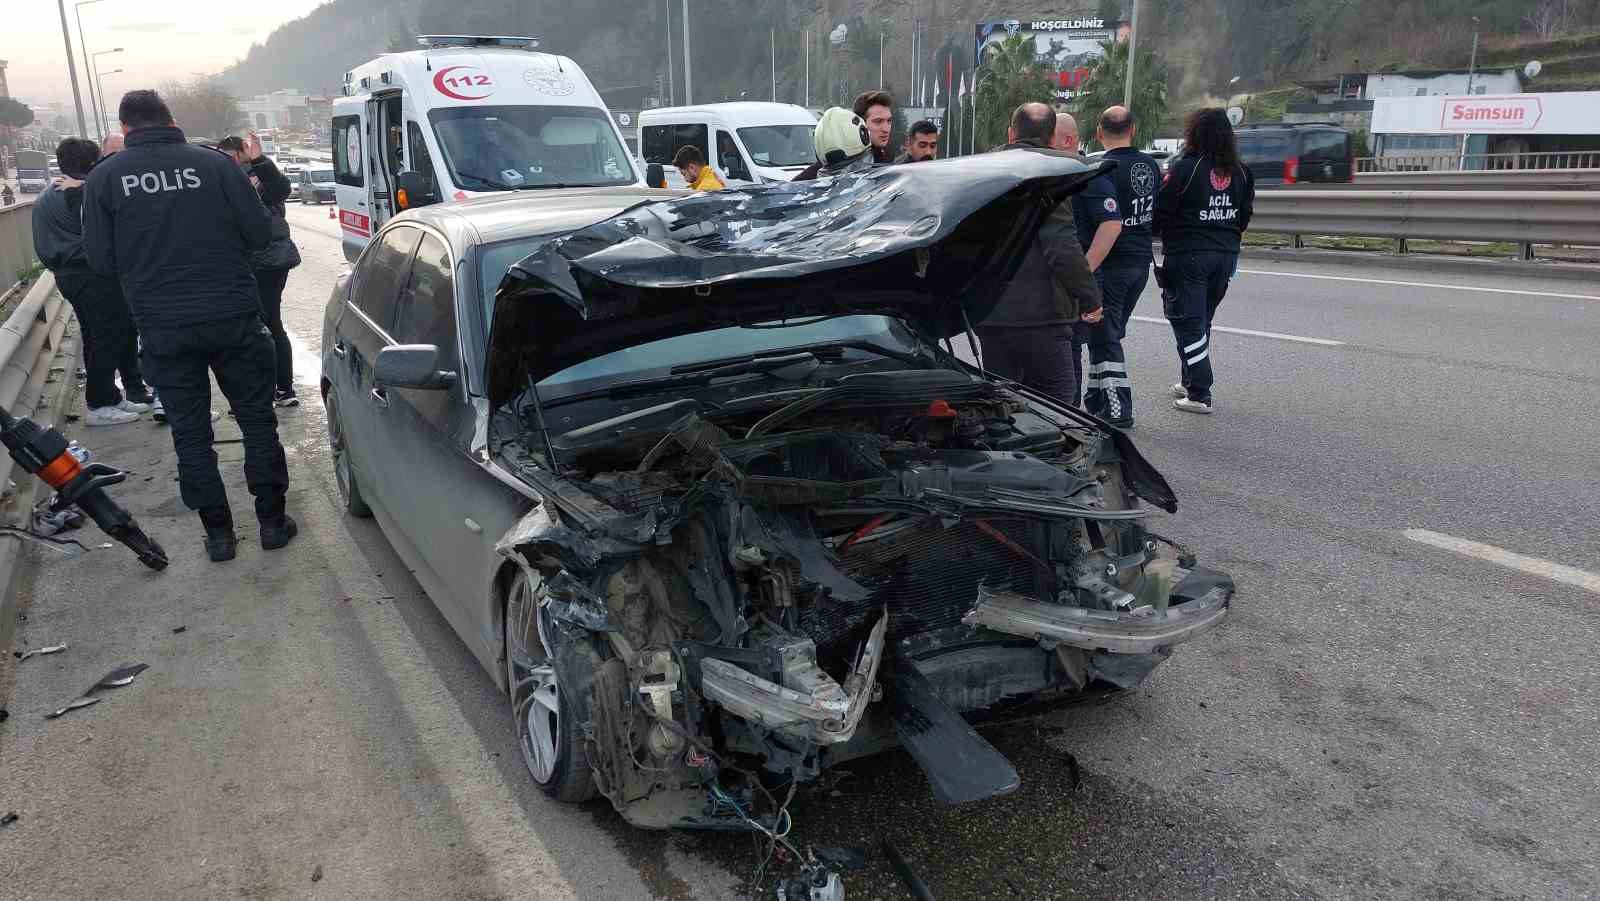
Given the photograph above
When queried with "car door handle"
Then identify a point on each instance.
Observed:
(380, 397)
(338, 349)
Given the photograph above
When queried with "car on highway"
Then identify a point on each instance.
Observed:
(706, 492)
(1297, 153)
(316, 184)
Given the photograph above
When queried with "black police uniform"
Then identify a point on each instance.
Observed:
(1201, 212)
(1123, 274)
(176, 222)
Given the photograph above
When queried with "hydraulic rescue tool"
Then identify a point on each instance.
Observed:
(44, 452)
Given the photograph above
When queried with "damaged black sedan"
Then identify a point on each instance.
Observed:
(703, 483)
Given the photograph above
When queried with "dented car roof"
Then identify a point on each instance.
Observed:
(932, 243)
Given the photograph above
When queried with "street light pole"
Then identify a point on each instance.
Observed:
(100, 85)
(72, 68)
(1133, 46)
(688, 77)
(94, 61)
(83, 47)
(672, 99)
(1472, 70)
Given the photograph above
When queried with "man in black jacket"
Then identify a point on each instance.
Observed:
(175, 223)
(110, 344)
(272, 263)
(1028, 337)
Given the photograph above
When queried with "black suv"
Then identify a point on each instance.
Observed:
(1291, 154)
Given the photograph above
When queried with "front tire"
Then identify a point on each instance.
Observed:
(547, 719)
(349, 492)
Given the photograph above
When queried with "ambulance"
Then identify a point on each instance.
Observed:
(464, 117)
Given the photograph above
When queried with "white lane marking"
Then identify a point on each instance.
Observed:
(1384, 281)
(1534, 566)
(1325, 342)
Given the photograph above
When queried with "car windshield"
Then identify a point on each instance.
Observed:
(1263, 146)
(504, 148)
(780, 145)
(320, 175)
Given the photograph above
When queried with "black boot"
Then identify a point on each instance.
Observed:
(277, 531)
(221, 543)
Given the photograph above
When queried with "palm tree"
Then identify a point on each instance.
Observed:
(1105, 84)
(1011, 75)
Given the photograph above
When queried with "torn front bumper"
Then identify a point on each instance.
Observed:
(1198, 605)
(810, 704)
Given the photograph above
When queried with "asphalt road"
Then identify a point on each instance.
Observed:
(1383, 717)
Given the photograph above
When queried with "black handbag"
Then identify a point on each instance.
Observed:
(280, 252)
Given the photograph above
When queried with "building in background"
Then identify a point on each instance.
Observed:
(285, 109)
(1347, 98)
(1508, 131)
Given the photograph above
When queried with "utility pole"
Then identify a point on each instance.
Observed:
(688, 76)
(772, 34)
(880, 59)
(1133, 46)
(72, 68)
(83, 48)
(671, 86)
(808, 67)
(1472, 70)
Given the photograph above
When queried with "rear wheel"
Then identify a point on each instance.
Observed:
(547, 719)
(349, 491)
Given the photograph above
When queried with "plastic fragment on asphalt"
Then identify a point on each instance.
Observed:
(120, 676)
(914, 883)
(179, 630)
(4, 714)
(39, 652)
(84, 701)
(117, 678)
(10, 818)
(316, 874)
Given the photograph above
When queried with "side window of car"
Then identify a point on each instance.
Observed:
(347, 151)
(731, 159)
(381, 274)
(421, 163)
(427, 307)
(657, 144)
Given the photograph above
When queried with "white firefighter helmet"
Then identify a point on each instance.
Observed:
(841, 138)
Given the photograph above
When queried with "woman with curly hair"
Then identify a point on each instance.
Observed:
(1202, 210)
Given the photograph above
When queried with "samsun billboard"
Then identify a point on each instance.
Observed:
(1070, 45)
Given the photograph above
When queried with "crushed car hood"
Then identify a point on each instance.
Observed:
(933, 244)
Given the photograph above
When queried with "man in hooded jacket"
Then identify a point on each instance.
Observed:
(110, 343)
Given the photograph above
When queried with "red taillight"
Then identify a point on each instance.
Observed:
(1291, 170)
(1351, 159)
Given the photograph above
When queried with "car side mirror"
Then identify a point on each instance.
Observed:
(655, 176)
(411, 366)
(413, 191)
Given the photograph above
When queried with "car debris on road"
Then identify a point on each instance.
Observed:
(117, 678)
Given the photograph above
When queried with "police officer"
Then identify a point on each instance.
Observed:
(1099, 222)
(1202, 210)
(176, 223)
(1124, 270)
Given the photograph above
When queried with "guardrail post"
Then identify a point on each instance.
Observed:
(1298, 242)
(1400, 246)
(1526, 252)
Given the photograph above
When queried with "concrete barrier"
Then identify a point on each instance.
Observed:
(16, 242)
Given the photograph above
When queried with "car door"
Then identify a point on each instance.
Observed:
(731, 160)
(1325, 156)
(363, 330)
(449, 509)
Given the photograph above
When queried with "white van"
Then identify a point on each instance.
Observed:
(465, 116)
(753, 142)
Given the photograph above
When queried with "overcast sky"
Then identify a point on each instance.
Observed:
(162, 40)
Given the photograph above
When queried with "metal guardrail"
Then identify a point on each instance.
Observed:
(1481, 180)
(16, 242)
(1499, 162)
(1524, 218)
(28, 343)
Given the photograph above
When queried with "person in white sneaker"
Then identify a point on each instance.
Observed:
(1203, 208)
(110, 342)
